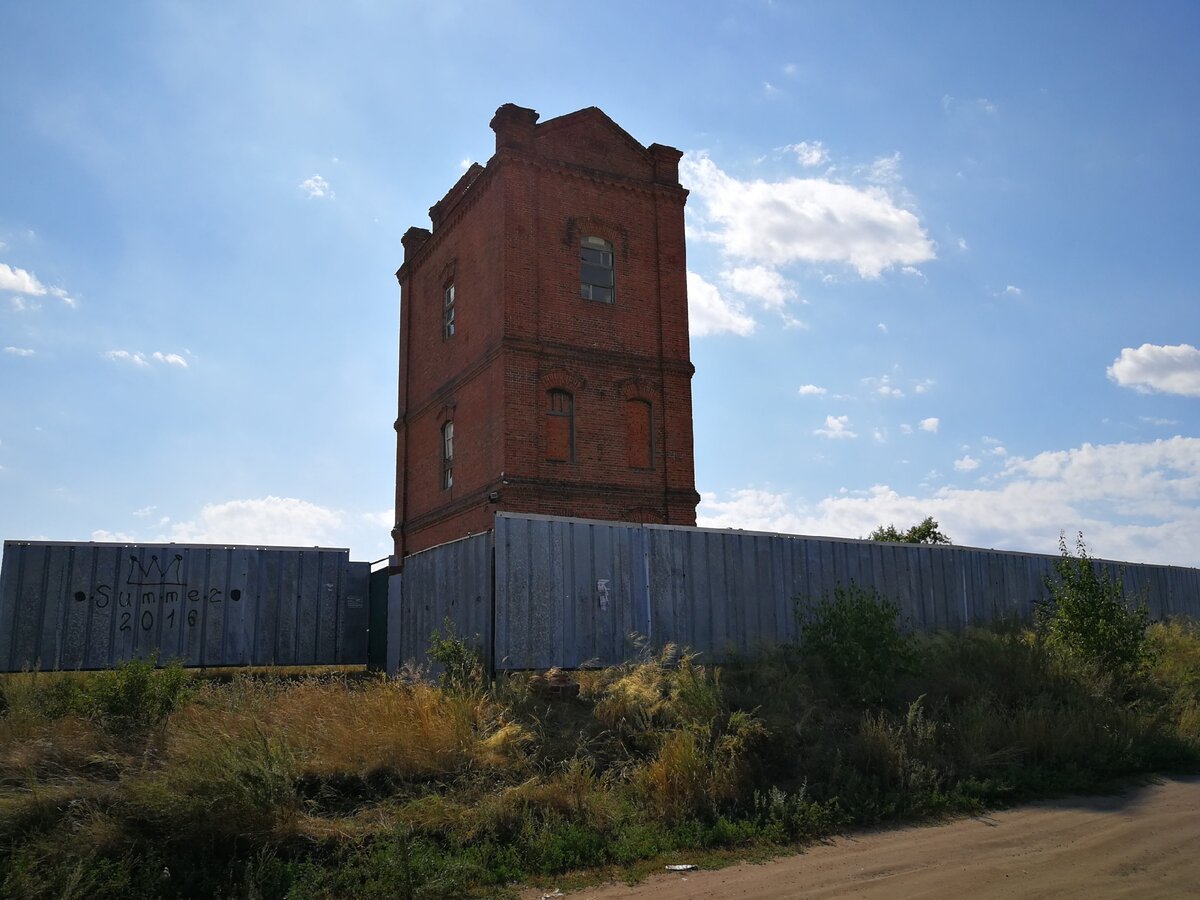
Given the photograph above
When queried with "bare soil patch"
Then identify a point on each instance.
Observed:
(1139, 844)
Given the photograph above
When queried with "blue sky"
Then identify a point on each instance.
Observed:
(941, 259)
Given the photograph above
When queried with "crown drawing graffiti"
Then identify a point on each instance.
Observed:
(154, 573)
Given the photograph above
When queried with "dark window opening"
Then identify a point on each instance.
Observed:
(448, 311)
(596, 269)
(560, 427)
(447, 456)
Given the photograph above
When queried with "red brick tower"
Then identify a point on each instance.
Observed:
(544, 363)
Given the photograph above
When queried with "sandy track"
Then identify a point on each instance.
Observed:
(1145, 843)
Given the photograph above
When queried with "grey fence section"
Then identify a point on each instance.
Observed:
(93, 605)
(569, 592)
(449, 582)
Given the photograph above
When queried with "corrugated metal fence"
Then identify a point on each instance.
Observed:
(92, 605)
(569, 592)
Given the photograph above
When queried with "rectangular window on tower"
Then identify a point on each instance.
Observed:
(447, 456)
(448, 311)
(560, 427)
(596, 280)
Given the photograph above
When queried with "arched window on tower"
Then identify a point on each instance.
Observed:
(639, 435)
(560, 426)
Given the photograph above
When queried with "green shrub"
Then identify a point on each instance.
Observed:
(462, 664)
(855, 636)
(133, 697)
(1088, 620)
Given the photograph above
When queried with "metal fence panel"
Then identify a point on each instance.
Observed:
(569, 591)
(450, 582)
(93, 605)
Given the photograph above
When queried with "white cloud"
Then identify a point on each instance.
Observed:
(20, 281)
(905, 428)
(1134, 502)
(885, 170)
(923, 386)
(19, 351)
(170, 359)
(1149, 420)
(811, 390)
(930, 424)
(710, 313)
(810, 220)
(883, 387)
(137, 359)
(20, 304)
(64, 297)
(808, 153)
(966, 464)
(1013, 290)
(141, 360)
(115, 537)
(835, 427)
(880, 435)
(1169, 369)
(385, 519)
(962, 244)
(882, 327)
(791, 323)
(144, 511)
(271, 520)
(760, 283)
(316, 187)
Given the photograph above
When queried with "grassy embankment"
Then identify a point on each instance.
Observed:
(146, 782)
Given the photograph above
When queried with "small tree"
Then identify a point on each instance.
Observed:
(924, 532)
(1088, 619)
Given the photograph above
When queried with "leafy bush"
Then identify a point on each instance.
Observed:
(924, 532)
(856, 638)
(133, 697)
(1088, 620)
(462, 664)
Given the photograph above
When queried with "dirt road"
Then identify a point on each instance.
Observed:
(1145, 843)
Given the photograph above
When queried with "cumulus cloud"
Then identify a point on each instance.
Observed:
(711, 313)
(808, 153)
(836, 427)
(20, 281)
(137, 359)
(18, 351)
(142, 361)
(882, 327)
(765, 285)
(1134, 502)
(317, 187)
(271, 520)
(966, 464)
(810, 220)
(1167, 369)
(930, 424)
(1013, 290)
(811, 390)
(883, 387)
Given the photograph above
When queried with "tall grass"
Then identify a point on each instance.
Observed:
(156, 783)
